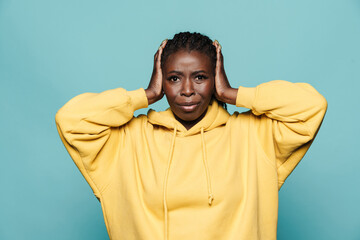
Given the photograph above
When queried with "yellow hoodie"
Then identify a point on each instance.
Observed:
(218, 180)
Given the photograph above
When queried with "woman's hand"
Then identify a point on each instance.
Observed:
(223, 91)
(154, 91)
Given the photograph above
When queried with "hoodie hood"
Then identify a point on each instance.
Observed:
(215, 116)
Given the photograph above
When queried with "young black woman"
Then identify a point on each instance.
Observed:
(193, 171)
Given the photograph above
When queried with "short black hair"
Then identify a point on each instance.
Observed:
(190, 42)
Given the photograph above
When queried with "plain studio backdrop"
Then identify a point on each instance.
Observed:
(51, 51)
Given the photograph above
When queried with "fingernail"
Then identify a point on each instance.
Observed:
(218, 43)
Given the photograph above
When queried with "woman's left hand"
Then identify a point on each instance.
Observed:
(223, 91)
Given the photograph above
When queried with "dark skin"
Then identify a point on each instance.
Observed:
(189, 83)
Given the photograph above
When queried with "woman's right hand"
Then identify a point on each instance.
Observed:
(154, 91)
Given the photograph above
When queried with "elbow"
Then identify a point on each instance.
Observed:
(62, 120)
(314, 98)
(321, 105)
(58, 121)
(59, 116)
(314, 123)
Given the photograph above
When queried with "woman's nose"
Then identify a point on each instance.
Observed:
(187, 88)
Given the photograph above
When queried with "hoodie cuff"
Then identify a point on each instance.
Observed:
(245, 97)
(138, 98)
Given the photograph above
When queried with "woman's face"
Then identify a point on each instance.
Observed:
(188, 83)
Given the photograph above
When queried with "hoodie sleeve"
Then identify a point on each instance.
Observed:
(88, 122)
(290, 115)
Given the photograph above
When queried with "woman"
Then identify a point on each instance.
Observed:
(192, 171)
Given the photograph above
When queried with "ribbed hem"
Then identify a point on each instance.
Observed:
(245, 97)
(138, 98)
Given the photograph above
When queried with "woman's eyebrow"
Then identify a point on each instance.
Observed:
(177, 72)
(180, 73)
(197, 72)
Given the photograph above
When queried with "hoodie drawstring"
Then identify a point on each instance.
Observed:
(208, 179)
(210, 194)
(165, 184)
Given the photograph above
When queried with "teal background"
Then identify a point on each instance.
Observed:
(51, 51)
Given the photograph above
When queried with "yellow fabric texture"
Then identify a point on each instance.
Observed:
(218, 180)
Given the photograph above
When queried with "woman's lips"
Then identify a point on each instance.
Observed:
(188, 107)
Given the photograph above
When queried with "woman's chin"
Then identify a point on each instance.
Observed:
(189, 118)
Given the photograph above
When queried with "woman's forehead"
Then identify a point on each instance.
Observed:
(188, 59)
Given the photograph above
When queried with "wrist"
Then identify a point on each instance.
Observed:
(228, 95)
(151, 96)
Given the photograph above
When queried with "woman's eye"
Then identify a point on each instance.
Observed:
(201, 77)
(173, 78)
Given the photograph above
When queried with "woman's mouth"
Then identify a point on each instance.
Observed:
(188, 107)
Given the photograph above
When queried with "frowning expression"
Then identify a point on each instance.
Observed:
(188, 83)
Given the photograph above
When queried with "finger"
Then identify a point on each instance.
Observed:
(163, 43)
(218, 57)
(217, 44)
(158, 58)
(161, 48)
(159, 55)
(221, 61)
(218, 53)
